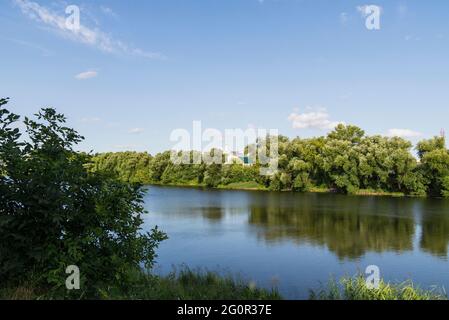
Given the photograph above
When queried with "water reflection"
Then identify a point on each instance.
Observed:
(348, 226)
(435, 227)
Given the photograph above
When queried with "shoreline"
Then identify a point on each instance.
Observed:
(314, 190)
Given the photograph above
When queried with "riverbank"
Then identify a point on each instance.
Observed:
(184, 284)
(196, 285)
(355, 288)
(254, 186)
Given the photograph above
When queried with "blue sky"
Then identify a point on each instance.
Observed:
(137, 72)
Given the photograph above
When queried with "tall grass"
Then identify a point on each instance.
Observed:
(182, 284)
(356, 289)
(187, 284)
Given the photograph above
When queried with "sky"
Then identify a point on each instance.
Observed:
(135, 71)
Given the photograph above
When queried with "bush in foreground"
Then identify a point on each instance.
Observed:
(54, 213)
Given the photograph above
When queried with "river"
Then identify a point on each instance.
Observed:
(296, 241)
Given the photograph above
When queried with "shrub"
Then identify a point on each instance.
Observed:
(54, 213)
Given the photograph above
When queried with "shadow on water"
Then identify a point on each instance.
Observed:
(349, 226)
(301, 239)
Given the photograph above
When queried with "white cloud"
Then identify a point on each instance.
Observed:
(403, 133)
(318, 119)
(136, 130)
(86, 75)
(88, 36)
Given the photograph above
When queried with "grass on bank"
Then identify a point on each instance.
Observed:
(254, 186)
(356, 289)
(372, 192)
(185, 284)
(250, 185)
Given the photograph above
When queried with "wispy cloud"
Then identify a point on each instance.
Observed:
(313, 119)
(86, 75)
(90, 120)
(108, 12)
(44, 51)
(403, 133)
(85, 35)
(136, 130)
(410, 37)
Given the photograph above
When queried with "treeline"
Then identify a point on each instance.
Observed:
(345, 161)
(127, 166)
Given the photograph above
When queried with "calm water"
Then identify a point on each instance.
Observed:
(298, 241)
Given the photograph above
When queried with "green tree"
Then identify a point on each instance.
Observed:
(435, 165)
(352, 134)
(126, 166)
(425, 146)
(158, 165)
(54, 213)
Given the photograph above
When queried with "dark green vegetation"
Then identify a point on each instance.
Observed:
(183, 285)
(126, 166)
(53, 213)
(187, 284)
(56, 211)
(356, 289)
(345, 161)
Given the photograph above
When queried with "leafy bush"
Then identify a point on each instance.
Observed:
(54, 213)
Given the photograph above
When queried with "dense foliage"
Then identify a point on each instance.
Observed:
(126, 166)
(54, 213)
(345, 161)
